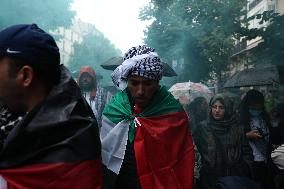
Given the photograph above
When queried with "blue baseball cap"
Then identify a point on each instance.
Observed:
(29, 43)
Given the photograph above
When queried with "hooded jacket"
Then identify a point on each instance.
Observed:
(98, 97)
(89, 70)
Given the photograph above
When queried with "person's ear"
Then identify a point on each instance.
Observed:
(25, 76)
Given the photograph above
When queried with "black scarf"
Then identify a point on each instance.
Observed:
(227, 139)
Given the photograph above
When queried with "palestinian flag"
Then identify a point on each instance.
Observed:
(55, 146)
(162, 141)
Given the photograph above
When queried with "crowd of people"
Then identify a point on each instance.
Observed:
(61, 132)
(237, 146)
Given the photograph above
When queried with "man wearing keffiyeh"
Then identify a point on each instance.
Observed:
(145, 138)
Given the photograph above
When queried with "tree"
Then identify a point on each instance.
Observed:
(94, 50)
(49, 15)
(271, 48)
(200, 31)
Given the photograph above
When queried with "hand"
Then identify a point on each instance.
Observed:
(254, 134)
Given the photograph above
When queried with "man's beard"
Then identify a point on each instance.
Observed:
(86, 87)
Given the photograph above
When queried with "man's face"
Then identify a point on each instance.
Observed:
(142, 90)
(86, 82)
(10, 89)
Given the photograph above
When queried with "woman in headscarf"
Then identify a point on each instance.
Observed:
(222, 144)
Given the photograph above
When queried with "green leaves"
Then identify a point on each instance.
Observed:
(271, 48)
(199, 31)
(49, 15)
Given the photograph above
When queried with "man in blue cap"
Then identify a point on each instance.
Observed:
(56, 143)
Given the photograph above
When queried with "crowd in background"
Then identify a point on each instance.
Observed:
(68, 134)
(237, 145)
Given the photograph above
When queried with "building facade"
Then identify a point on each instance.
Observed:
(70, 36)
(255, 7)
(240, 56)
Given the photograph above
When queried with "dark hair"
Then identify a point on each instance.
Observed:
(212, 102)
(195, 109)
(280, 110)
(48, 74)
(196, 103)
(252, 96)
(227, 102)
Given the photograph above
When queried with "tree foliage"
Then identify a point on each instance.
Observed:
(271, 48)
(49, 14)
(94, 50)
(200, 31)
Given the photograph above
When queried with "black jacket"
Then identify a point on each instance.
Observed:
(62, 128)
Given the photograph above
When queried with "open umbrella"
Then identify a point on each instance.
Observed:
(186, 92)
(114, 62)
(260, 75)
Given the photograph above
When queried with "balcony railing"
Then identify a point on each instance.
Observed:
(239, 47)
(254, 3)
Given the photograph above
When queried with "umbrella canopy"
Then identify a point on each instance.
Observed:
(114, 62)
(168, 70)
(186, 92)
(261, 75)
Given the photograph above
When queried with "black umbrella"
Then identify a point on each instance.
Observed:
(168, 70)
(260, 75)
(114, 62)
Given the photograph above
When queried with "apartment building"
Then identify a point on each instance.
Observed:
(70, 36)
(255, 7)
(240, 58)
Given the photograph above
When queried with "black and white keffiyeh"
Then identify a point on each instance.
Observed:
(141, 61)
(7, 122)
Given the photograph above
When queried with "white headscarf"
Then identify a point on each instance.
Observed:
(141, 61)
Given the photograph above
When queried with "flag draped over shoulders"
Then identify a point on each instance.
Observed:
(162, 143)
(55, 146)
